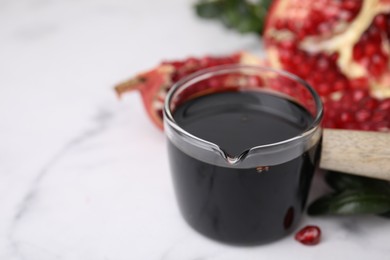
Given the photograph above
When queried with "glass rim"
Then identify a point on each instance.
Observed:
(223, 69)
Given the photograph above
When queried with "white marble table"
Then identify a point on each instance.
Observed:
(84, 176)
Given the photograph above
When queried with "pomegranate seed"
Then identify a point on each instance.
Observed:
(346, 99)
(291, 25)
(255, 81)
(324, 28)
(308, 26)
(279, 24)
(334, 57)
(359, 94)
(366, 126)
(351, 125)
(316, 78)
(370, 49)
(373, 31)
(378, 64)
(379, 116)
(298, 59)
(309, 235)
(380, 21)
(323, 89)
(305, 69)
(346, 117)
(323, 64)
(351, 5)
(213, 82)
(376, 37)
(362, 115)
(385, 104)
(357, 52)
(330, 124)
(369, 103)
(288, 45)
(331, 76)
(332, 107)
(340, 85)
(382, 126)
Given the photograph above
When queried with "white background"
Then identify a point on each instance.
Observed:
(84, 175)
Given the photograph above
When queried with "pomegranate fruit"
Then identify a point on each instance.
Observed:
(342, 48)
(309, 235)
(154, 84)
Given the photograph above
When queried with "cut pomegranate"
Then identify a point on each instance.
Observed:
(309, 235)
(334, 45)
(154, 84)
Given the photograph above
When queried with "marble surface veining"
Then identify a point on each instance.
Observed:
(85, 176)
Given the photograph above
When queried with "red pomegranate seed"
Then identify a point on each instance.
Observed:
(351, 5)
(340, 85)
(288, 45)
(366, 126)
(346, 117)
(330, 124)
(317, 78)
(385, 104)
(331, 76)
(359, 83)
(309, 235)
(371, 49)
(346, 101)
(378, 64)
(380, 21)
(279, 24)
(305, 69)
(369, 103)
(334, 57)
(362, 115)
(323, 89)
(298, 59)
(358, 52)
(323, 64)
(351, 125)
(379, 116)
(359, 94)
(382, 126)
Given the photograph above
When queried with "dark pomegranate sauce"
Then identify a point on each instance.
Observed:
(242, 206)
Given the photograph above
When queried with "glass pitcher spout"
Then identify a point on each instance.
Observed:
(234, 160)
(266, 155)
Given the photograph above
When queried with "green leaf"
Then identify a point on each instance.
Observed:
(352, 202)
(341, 182)
(208, 9)
(242, 15)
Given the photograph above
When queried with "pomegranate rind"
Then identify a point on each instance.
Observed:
(150, 84)
(155, 83)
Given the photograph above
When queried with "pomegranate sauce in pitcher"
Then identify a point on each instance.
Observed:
(242, 205)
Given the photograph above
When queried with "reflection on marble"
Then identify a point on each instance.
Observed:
(84, 176)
